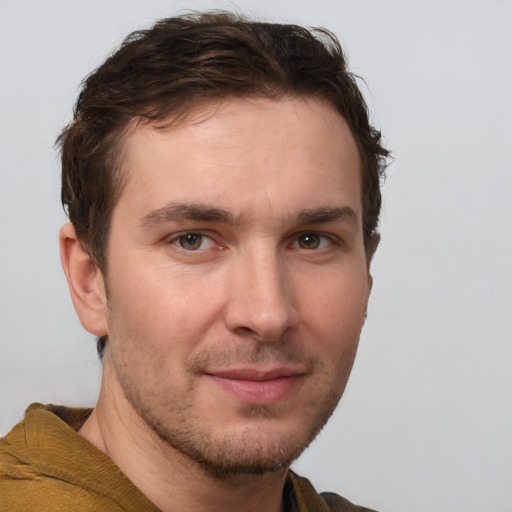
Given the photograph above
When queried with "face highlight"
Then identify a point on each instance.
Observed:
(238, 280)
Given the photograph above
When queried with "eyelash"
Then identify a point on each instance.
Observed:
(176, 240)
(331, 240)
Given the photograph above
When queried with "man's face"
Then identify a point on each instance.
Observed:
(238, 280)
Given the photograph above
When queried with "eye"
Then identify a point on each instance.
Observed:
(194, 241)
(312, 241)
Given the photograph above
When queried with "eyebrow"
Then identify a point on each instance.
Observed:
(326, 215)
(186, 211)
(206, 213)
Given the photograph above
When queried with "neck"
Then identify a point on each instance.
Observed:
(166, 476)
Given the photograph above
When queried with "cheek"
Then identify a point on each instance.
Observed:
(333, 318)
(336, 303)
(161, 308)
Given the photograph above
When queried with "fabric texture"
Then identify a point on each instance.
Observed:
(46, 466)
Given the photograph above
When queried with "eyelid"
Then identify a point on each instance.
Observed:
(173, 240)
(334, 240)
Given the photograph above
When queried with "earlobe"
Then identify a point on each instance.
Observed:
(85, 282)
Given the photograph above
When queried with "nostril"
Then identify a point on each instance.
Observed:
(247, 332)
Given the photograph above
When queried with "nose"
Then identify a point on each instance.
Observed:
(261, 303)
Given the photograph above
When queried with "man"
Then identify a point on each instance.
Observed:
(222, 183)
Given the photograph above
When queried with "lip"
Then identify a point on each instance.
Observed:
(257, 386)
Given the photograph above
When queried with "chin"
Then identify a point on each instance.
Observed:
(260, 442)
(252, 451)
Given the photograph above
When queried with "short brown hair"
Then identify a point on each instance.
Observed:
(161, 73)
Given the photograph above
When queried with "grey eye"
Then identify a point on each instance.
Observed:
(190, 241)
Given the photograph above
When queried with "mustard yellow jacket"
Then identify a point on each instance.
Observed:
(46, 466)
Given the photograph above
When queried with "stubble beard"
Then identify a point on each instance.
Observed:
(254, 450)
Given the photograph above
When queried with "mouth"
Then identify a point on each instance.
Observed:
(258, 386)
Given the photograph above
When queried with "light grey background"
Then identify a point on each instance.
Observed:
(426, 421)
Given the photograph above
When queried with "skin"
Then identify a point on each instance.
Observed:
(236, 292)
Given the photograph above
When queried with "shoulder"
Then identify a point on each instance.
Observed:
(29, 480)
(336, 503)
(307, 499)
(45, 465)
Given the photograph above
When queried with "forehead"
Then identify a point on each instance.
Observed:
(261, 149)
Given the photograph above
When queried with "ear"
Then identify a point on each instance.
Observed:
(85, 282)
(371, 248)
